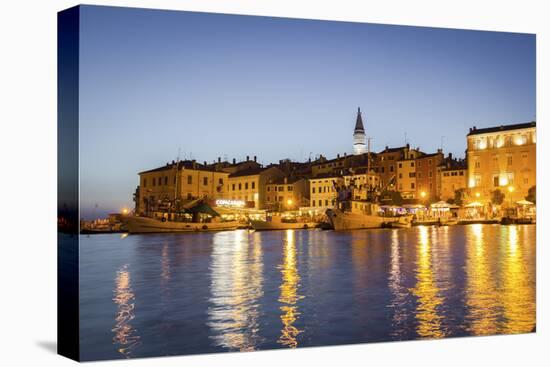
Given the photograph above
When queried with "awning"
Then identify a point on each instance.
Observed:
(524, 202)
(475, 204)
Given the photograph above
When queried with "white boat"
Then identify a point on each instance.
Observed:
(152, 225)
(276, 222)
(362, 215)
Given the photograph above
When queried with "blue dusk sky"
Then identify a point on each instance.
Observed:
(212, 85)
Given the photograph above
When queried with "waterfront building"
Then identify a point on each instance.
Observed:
(426, 175)
(504, 158)
(323, 192)
(184, 180)
(385, 165)
(452, 176)
(405, 180)
(359, 136)
(287, 193)
(250, 185)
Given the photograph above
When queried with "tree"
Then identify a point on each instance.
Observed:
(459, 197)
(497, 197)
(391, 197)
(532, 195)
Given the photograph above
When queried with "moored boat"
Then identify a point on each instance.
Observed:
(153, 225)
(276, 222)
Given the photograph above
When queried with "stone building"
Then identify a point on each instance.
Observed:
(502, 157)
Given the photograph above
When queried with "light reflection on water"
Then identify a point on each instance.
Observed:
(236, 287)
(125, 338)
(289, 292)
(243, 291)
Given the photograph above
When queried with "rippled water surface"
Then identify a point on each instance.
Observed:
(168, 294)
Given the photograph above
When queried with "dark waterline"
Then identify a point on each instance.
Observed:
(151, 295)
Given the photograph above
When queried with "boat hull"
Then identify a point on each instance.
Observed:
(271, 226)
(343, 221)
(150, 225)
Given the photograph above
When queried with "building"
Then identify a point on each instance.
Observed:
(287, 193)
(359, 136)
(184, 180)
(452, 176)
(249, 185)
(322, 190)
(504, 158)
(426, 175)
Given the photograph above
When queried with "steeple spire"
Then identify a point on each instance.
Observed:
(359, 135)
(359, 122)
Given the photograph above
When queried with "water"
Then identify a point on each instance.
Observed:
(169, 294)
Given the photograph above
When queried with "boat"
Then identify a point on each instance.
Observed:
(137, 224)
(364, 215)
(193, 216)
(277, 222)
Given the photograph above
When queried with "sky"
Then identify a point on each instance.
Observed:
(153, 83)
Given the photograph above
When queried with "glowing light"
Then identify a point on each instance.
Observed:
(477, 194)
(124, 211)
(423, 194)
(226, 202)
(289, 202)
(503, 181)
(482, 144)
(511, 188)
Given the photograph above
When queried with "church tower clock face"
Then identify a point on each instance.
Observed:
(359, 146)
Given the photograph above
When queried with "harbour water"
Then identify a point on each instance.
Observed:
(170, 294)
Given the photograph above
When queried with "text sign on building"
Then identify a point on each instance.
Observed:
(231, 203)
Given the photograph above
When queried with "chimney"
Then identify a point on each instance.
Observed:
(219, 159)
(450, 155)
(255, 160)
(345, 154)
(338, 155)
(194, 164)
(234, 161)
(205, 163)
(247, 158)
(286, 180)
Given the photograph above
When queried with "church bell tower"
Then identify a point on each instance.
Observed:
(359, 146)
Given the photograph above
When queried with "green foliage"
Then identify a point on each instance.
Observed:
(391, 197)
(459, 197)
(532, 195)
(497, 197)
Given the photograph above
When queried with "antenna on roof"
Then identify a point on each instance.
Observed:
(405, 138)
(442, 137)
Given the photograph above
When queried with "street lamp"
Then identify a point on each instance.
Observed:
(423, 194)
(124, 211)
(289, 202)
(478, 194)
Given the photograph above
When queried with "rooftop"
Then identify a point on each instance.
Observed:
(487, 130)
(181, 165)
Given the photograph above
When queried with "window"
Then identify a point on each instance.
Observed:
(268, 198)
(189, 179)
(461, 173)
(240, 186)
(144, 182)
(477, 164)
(246, 185)
(205, 181)
(326, 202)
(430, 174)
(233, 187)
(313, 190)
(495, 180)
(154, 181)
(220, 181)
(189, 196)
(268, 189)
(412, 174)
(382, 169)
(412, 164)
(289, 188)
(509, 160)
(281, 189)
(175, 177)
(280, 198)
(412, 185)
(419, 174)
(166, 180)
(320, 202)
(400, 175)
(391, 168)
(253, 185)
(400, 165)
(312, 202)
(429, 161)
